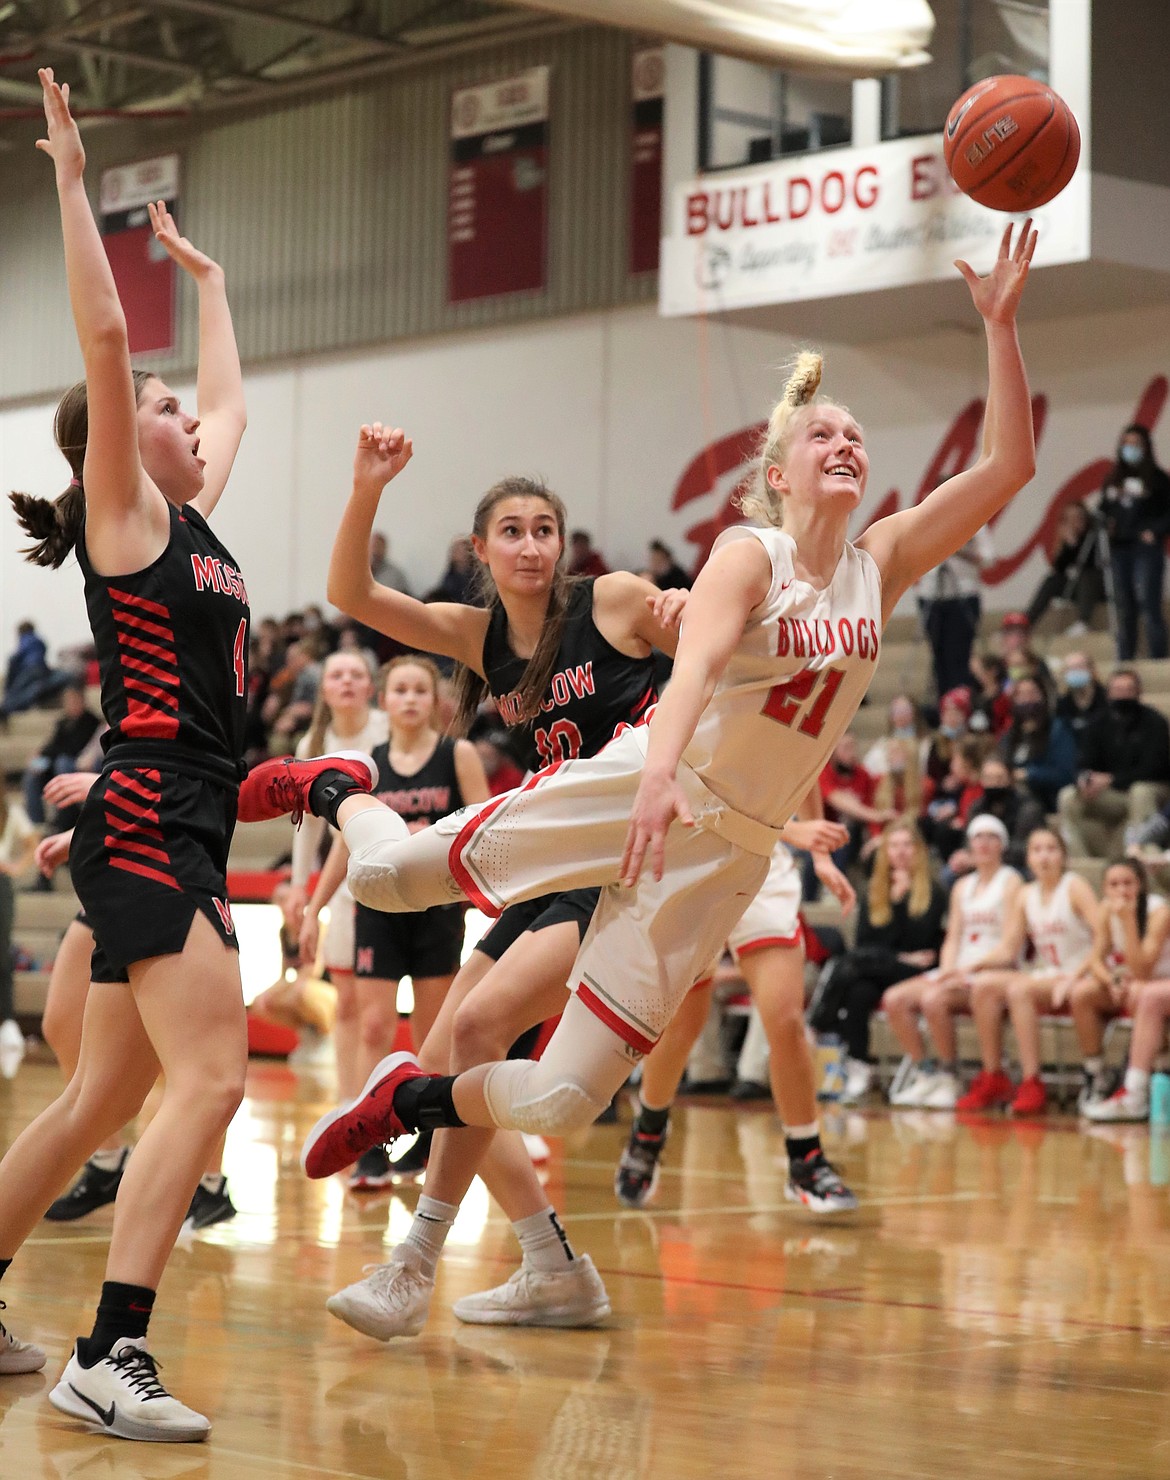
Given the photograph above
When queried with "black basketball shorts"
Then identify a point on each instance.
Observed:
(573, 906)
(149, 849)
(389, 947)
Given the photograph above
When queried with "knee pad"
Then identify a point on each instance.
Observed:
(525, 1096)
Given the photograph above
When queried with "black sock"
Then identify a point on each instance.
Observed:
(426, 1104)
(329, 791)
(801, 1147)
(651, 1122)
(124, 1310)
(4, 1263)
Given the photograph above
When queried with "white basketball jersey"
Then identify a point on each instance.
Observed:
(1116, 958)
(793, 683)
(1061, 937)
(982, 912)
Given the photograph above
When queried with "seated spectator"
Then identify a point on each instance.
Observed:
(71, 734)
(662, 569)
(28, 679)
(584, 560)
(899, 933)
(991, 700)
(945, 824)
(1135, 509)
(1015, 640)
(979, 908)
(1131, 950)
(954, 710)
(383, 568)
(1057, 914)
(1040, 750)
(1075, 576)
(1125, 772)
(905, 723)
(292, 694)
(503, 774)
(847, 789)
(900, 789)
(1000, 798)
(1084, 696)
(460, 581)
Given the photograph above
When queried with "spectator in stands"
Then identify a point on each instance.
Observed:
(1023, 661)
(71, 734)
(950, 606)
(502, 772)
(1039, 748)
(901, 789)
(1075, 576)
(18, 842)
(905, 724)
(584, 560)
(28, 679)
(945, 824)
(848, 792)
(954, 713)
(1135, 509)
(459, 582)
(991, 699)
(1084, 696)
(1125, 772)
(292, 694)
(999, 797)
(383, 568)
(899, 934)
(663, 570)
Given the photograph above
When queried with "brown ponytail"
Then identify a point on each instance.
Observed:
(470, 688)
(55, 524)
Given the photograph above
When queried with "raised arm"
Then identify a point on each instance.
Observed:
(730, 585)
(908, 544)
(219, 383)
(634, 616)
(121, 502)
(437, 627)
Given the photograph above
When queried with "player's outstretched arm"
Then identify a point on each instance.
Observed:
(908, 544)
(433, 627)
(219, 383)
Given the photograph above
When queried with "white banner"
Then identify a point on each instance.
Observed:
(132, 185)
(500, 105)
(839, 221)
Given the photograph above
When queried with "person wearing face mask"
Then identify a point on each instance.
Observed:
(1084, 697)
(1125, 772)
(1039, 748)
(1076, 570)
(954, 712)
(1135, 508)
(1020, 657)
(991, 700)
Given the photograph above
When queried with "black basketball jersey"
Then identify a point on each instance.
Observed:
(593, 689)
(430, 793)
(172, 647)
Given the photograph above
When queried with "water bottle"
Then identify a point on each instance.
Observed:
(831, 1057)
(1160, 1098)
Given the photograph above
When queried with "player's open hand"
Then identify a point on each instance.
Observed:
(189, 258)
(52, 852)
(667, 607)
(815, 836)
(382, 453)
(658, 802)
(69, 789)
(997, 296)
(309, 937)
(63, 145)
(835, 882)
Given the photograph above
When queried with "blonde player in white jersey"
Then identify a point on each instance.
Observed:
(1057, 912)
(978, 914)
(778, 646)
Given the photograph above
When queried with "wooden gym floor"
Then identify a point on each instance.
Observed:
(1000, 1306)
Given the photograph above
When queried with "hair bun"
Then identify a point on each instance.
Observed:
(805, 378)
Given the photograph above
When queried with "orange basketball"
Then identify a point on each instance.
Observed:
(1011, 143)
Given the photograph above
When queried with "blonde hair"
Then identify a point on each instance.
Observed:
(886, 792)
(414, 660)
(322, 719)
(881, 909)
(800, 390)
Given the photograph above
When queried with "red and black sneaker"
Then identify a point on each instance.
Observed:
(277, 788)
(339, 1138)
(1031, 1097)
(987, 1092)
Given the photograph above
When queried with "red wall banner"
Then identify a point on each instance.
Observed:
(647, 86)
(143, 273)
(497, 203)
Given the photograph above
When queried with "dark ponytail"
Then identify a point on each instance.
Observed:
(55, 524)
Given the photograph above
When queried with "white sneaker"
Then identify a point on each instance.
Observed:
(859, 1077)
(392, 1300)
(913, 1086)
(18, 1356)
(537, 1148)
(1126, 1104)
(573, 1296)
(123, 1395)
(939, 1092)
(11, 1037)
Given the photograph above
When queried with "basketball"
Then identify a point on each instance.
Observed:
(1011, 143)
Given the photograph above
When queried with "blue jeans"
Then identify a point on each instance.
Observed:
(1138, 574)
(41, 769)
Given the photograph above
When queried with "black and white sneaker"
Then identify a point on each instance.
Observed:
(1097, 1087)
(636, 1179)
(18, 1356)
(208, 1208)
(815, 1183)
(93, 1189)
(122, 1395)
(372, 1171)
(412, 1164)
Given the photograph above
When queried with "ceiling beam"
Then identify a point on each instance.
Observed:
(117, 54)
(249, 14)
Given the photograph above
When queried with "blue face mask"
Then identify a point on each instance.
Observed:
(1077, 678)
(950, 732)
(1131, 454)
(905, 732)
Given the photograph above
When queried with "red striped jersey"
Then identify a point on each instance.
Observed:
(593, 688)
(172, 644)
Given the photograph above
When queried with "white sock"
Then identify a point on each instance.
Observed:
(1137, 1082)
(802, 1132)
(543, 1241)
(110, 1161)
(428, 1233)
(213, 1182)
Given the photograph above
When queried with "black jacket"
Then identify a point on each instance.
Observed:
(1130, 747)
(1134, 500)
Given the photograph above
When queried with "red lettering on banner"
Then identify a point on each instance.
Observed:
(832, 205)
(770, 216)
(795, 212)
(867, 196)
(696, 213)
